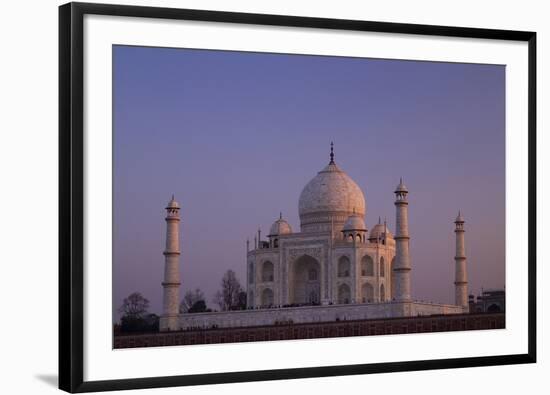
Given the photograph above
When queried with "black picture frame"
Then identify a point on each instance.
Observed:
(71, 195)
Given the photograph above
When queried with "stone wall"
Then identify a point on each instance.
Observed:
(311, 314)
(458, 322)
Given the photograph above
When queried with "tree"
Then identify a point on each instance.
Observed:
(198, 307)
(135, 317)
(190, 298)
(227, 297)
(241, 300)
(134, 306)
(147, 323)
(152, 322)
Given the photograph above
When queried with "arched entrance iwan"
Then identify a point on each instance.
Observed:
(305, 281)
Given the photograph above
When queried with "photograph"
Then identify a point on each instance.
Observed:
(265, 196)
(275, 197)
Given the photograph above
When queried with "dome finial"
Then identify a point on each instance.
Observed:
(331, 153)
(401, 188)
(379, 220)
(280, 215)
(172, 204)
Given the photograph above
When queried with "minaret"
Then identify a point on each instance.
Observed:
(461, 276)
(171, 283)
(402, 268)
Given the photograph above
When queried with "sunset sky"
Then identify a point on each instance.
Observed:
(236, 136)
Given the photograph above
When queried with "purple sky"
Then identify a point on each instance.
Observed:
(236, 136)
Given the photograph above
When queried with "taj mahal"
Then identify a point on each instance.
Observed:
(333, 268)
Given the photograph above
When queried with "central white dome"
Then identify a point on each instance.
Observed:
(331, 196)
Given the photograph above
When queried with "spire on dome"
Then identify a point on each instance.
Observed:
(331, 153)
(401, 187)
(173, 204)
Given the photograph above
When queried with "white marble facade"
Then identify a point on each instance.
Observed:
(334, 259)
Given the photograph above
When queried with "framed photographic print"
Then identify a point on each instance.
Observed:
(317, 196)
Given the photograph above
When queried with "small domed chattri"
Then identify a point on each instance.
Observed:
(280, 227)
(379, 230)
(355, 222)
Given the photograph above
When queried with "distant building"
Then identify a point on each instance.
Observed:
(490, 301)
(332, 269)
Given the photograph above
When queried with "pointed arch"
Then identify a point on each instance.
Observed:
(305, 281)
(267, 271)
(367, 293)
(344, 266)
(367, 266)
(251, 272)
(267, 297)
(250, 299)
(344, 294)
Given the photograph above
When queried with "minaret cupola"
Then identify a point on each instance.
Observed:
(354, 229)
(279, 228)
